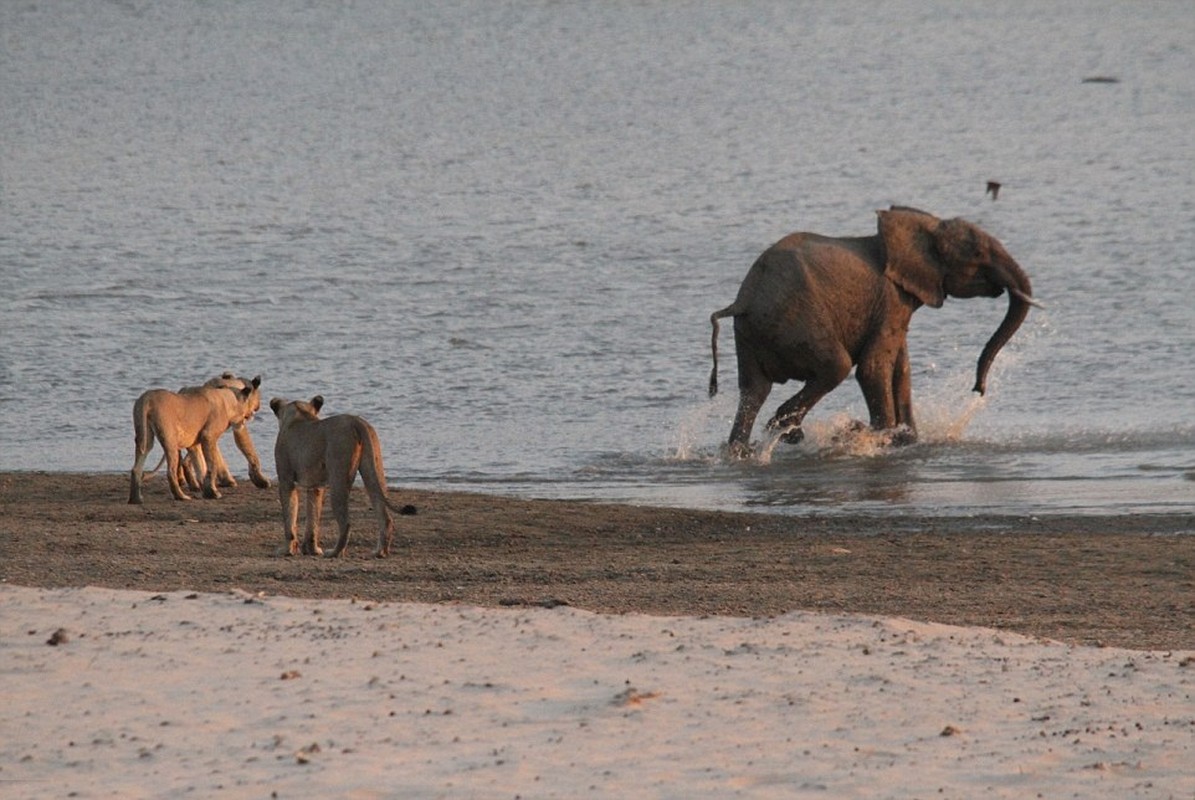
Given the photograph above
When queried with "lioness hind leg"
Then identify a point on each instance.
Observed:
(381, 507)
(191, 469)
(288, 495)
(385, 531)
(313, 505)
(340, 510)
(172, 470)
(135, 476)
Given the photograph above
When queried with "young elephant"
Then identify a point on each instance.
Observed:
(813, 307)
(316, 454)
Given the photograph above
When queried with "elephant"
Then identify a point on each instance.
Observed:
(812, 307)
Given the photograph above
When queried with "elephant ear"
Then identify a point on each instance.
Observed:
(910, 255)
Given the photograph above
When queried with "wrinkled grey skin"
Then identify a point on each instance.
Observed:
(812, 307)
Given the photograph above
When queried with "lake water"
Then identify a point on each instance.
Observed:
(497, 231)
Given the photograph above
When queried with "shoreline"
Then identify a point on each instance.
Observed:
(1115, 580)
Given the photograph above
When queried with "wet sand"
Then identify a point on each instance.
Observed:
(1125, 581)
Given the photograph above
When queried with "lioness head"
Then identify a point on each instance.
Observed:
(287, 410)
(247, 391)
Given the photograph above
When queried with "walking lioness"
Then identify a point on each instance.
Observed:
(184, 421)
(194, 466)
(317, 454)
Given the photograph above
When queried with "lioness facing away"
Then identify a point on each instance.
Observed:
(318, 454)
(185, 421)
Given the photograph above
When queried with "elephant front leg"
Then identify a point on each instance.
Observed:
(884, 377)
(902, 394)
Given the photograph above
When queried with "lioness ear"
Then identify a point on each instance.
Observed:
(228, 376)
(317, 402)
(276, 405)
(256, 381)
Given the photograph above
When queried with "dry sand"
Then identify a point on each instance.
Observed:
(546, 649)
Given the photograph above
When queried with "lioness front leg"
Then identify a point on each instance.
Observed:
(223, 474)
(211, 456)
(244, 443)
(313, 505)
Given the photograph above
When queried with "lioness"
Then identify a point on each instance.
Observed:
(194, 468)
(185, 421)
(315, 454)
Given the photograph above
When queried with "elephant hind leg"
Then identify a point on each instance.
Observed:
(791, 414)
(751, 398)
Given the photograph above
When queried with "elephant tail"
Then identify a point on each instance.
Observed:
(730, 311)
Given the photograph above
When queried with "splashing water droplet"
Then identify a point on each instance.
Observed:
(693, 429)
(941, 423)
(762, 453)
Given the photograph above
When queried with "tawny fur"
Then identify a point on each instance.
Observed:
(318, 455)
(193, 420)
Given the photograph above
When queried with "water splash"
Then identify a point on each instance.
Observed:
(941, 423)
(841, 435)
(838, 435)
(761, 453)
(694, 431)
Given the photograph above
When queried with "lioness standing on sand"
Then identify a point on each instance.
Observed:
(193, 472)
(183, 421)
(314, 454)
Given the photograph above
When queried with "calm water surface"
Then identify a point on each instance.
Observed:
(497, 231)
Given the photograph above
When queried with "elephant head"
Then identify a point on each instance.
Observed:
(931, 259)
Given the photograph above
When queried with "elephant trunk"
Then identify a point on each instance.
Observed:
(1020, 297)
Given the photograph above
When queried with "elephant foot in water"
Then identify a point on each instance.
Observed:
(899, 436)
(850, 432)
(793, 436)
(789, 432)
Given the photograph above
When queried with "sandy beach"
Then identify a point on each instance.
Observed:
(552, 649)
